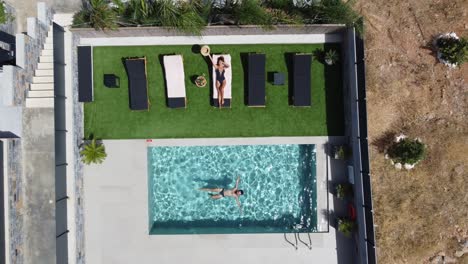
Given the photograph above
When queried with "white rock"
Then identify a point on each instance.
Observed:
(398, 166)
(408, 166)
(400, 138)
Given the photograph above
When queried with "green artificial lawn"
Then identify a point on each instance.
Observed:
(109, 115)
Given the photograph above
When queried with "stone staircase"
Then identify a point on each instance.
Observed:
(41, 90)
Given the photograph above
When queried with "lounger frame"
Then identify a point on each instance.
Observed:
(256, 80)
(301, 79)
(132, 92)
(174, 102)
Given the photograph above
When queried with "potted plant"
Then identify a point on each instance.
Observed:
(200, 81)
(93, 152)
(343, 190)
(346, 226)
(340, 152)
(451, 50)
(331, 57)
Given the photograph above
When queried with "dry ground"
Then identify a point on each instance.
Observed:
(424, 212)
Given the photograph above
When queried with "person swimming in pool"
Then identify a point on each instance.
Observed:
(223, 192)
(220, 67)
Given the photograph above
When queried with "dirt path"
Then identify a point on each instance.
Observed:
(421, 213)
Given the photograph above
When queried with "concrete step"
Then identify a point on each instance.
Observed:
(43, 79)
(46, 72)
(49, 40)
(40, 93)
(41, 86)
(47, 52)
(46, 59)
(39, 102)
(45, 66)
(48, 46)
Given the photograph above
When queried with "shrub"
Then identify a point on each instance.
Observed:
(453, 50)
(93, 153)
(344, 190)
(96, 13)
(346, 226)
(138, 12)
(334, 12)
(407, 151)
(251, 12)
(189, 20)
(4, 15)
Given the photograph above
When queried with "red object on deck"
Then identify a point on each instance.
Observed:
(351, 211)
(149, 140)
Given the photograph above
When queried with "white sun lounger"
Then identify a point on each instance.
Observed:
(228, 76)
(175, 81)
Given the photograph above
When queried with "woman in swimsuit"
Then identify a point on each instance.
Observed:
(222, 192)
(220, 65)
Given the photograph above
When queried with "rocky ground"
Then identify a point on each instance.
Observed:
(421, 215)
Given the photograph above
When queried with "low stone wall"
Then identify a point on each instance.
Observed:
(15, 202)
(209, 31)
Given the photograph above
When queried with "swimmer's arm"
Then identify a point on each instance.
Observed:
(239, 204)
(237, 182)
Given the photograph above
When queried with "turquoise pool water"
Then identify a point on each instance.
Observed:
(278, 180)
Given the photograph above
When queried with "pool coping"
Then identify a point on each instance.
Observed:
(120, 185)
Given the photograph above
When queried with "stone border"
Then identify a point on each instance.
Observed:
(210, 31)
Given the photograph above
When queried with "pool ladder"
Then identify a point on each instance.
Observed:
(297, 237)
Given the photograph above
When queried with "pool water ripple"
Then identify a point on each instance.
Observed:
(278, 180)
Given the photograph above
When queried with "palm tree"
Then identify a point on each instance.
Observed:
(93, 153)
(96, 13)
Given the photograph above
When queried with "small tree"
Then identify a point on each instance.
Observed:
(346, 226)
(93, 153)
(452, 49)
(407, 151)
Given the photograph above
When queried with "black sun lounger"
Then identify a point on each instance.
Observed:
(85, 74)
(301, 79)
(137, 83)
(256, 79)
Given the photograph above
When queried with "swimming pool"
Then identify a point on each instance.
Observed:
(279, 182)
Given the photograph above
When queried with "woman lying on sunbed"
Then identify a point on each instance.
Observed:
(220, 65)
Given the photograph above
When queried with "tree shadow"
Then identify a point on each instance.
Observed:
(384, 141)
(319, 55)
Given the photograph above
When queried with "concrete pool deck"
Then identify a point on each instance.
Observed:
(116, 214)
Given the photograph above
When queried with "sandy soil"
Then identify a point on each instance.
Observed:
(422, 213)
